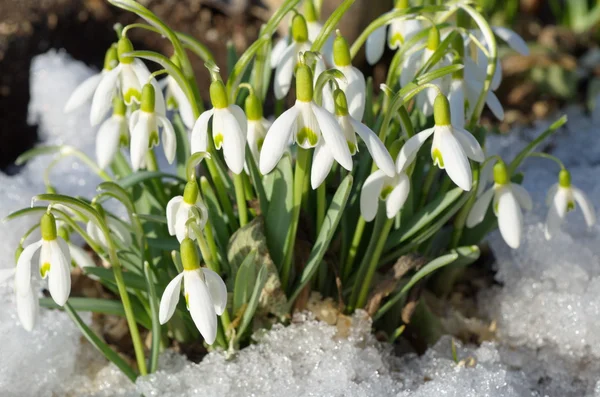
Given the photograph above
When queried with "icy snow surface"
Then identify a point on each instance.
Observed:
(548, 309)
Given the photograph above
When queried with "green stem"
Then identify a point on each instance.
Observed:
(222, 194)
(360, 228)
(152, 165)
(461, 218)
(302, 159)
(321, 204)
(429, 179)
(240, 198)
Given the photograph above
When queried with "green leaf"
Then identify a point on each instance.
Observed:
(156, 329)
(422, 218)
(436, 57)
(465, 254)
(131, 280)
(39, 151)
(38, 211)
(216, 215)
(332, 219)
(250, 238)
(254, 300)
(257, 182)
(143, 176)
(279, 189)
(436, 74)
(163, 243)
(331, 24)
(99, 343)
(152, 218)
(244, 281)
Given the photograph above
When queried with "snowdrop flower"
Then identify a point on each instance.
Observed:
(393, 190)
(288, 60)
(451, 149)
(257, 125)
(204, 290)
(228, 128)
(415, 61)
(85, 91)
(113, 133)
(323, 159)
(176, 100)
(51, 257)
(561, 199)
(114, 226)
(354, 87)
(400, 30)
(310, 126)
(509, 198)
(180, 209)
(144, 124)
(128, 76)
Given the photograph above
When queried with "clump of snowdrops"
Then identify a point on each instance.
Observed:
(258, 209)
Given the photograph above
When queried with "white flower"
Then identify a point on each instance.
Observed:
(114, 226)
(51, 259)
(378, 186)
(509, 198)
(180, 209)
(399, 31)
(284, 70)
(177, 100)
(561, 199)
(85, 91)
(204, 290)
(257, 131)
(129, 76)
(354, 86)
(113, 132)
(144, 125)
(451, 149)
(310, 126)
(323, 160)
(228, 129)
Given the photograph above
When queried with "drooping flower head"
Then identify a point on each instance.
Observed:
(204, 291)
(180, 210)
(176, 100)
(562, 198)
(257, 125)
(113, 133)
(116, 228)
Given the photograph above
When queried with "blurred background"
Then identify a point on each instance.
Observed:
(563, 67)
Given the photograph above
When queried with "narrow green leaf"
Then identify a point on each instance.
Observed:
(156, 330)
(331, 24)
(253, 303)
(131, 280)
(244, 281)
(332, 219)
(436, 74)
(257, 182)
(163, 243)
(143, 176)
(216, 215)
(39, 151)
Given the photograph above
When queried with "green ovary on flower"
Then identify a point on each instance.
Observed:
(501, 174)
(48, 227)
(190, 193)
(218, 95)
(564, 178)
(124, 46)
(341, 105)
(441, 110)
(433, 40)
(401, 4)
(111, 59)
(299, 29)
(306, 134)
(119, 107)
(189, 255)
(341, 52)
(148, 99)
(304, 83)
(254, 110)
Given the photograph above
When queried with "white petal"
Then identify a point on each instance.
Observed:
(119, 230)
(398, 196)
(199, 138)
(376, 148)
(314, 28)
(107, 140)
(217, 290)
(522, 196)
(102, 100)
(255, 132)
(369, 195)
(485, 176)
(96, 234)
(169, 299)
(133, 119)
(479, 209)
(23, 270)
(234, 140)
(140, 140)
(355, 90)
(497, 78)
(333, 136)
(410, 67)
(83, 92)
(321, 165)
(172, 208)
(307, 121)
(495, 106)
(409, 150)
(169, 140)
(556, 213)
(586, 206)
(551, 193)
(456, 97)
(200, 305)
(240, 116)
(59, 275)
(455, 160)
(470, 145)
(27, 308)
(181, 218)
(510, 218)
(183, 103)
(375, 45)
(278, 50)
(276, 141)
(285, 71)
(513, 40)
(143, 75)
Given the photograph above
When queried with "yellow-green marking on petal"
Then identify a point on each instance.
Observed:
(44, 269)
(438, 160)
(306, 134)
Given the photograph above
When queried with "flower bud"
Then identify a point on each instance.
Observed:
(441, 110)
(63, 233)
(299, 29)
(190, 193)
(148, 98)
(564, 178)
(254, 109)
(123, 47)
(111, 58)
(304, 83)
(48, 227)
(501, 173)
(189, 255)
(218, 95)
(341, 52)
